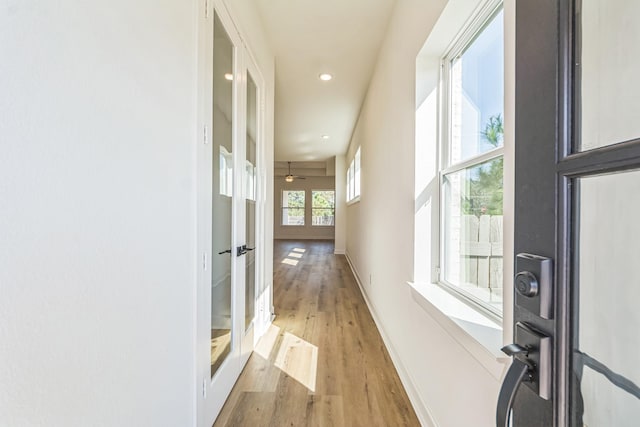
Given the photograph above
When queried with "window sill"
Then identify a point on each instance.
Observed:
(353, 201)
(480, 335)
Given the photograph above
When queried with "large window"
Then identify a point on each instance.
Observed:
(293, 207)
(323, 207)
(472, 163)
(353, 178)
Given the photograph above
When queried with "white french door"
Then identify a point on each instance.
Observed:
(229, 210)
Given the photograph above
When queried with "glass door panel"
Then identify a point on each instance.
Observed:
(250, 201)
(606, 372)
(608, 61)
(222, 198)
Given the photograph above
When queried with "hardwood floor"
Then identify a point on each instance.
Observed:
(220, 347)
(323, 362)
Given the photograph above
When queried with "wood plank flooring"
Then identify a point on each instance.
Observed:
(220, 347)
(323, 362)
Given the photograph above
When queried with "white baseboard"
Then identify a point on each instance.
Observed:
(337, 251)
(422, 411)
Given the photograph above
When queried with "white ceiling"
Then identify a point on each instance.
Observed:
(309, 37)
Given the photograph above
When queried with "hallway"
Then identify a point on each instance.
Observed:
(323, 362)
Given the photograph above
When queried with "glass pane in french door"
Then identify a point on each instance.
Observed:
(222, 197)
(608, 61)
(606, 372)
(250, 200)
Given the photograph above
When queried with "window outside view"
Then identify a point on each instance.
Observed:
(323, 207)
(472, 186)
(353, 178)
(293, 207)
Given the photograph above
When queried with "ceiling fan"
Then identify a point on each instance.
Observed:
(289, 177)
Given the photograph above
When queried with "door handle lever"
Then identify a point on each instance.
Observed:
(228, 251)
(514, 350)
(518, 372)
(531, 366)
(241, 250)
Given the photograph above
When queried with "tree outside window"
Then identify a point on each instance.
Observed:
(323, 207)
(293, 207)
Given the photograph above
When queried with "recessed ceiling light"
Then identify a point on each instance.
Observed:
(325, 136)
(325, 77)
(228, 76)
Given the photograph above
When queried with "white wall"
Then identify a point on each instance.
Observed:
(307, 231)
(97, 211)
(449, 385)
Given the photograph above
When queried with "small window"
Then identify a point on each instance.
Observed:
(472, 173)
(353, 178)
(226, 172)
(293, 207)
(323, 207)
(350, 183)
(356, 174)
(250, 181)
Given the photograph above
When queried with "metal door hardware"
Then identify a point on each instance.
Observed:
(534, 284)
(241, 250)
(531, 365)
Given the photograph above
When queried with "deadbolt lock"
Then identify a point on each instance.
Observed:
(527, 284)
(533, 284)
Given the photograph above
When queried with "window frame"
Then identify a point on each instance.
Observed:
(304, 208)
(465, 38)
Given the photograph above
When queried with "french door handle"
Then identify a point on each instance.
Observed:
(518, 372)
(228, 251)
(241, 250)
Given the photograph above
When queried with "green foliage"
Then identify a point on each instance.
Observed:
(484, 183)
(295, 199)
(323, 203)
(493, 131)
(322, 199)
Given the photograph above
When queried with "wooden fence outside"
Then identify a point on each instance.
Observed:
(481, 250)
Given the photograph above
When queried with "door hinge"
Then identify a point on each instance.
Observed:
(204, 261)
(206, 135)
(204, 388)
(206, 8)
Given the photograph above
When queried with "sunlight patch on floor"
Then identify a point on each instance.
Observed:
(290, 261)
(295, 255)
(300, 250)
(268, 341)
(299, 359)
